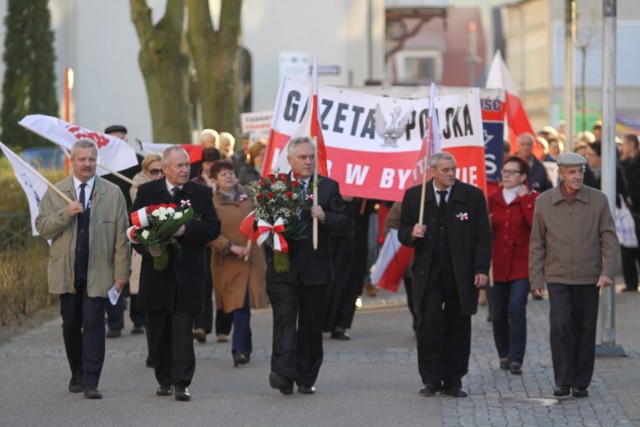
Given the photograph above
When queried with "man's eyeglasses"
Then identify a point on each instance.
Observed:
(155, 172)
(510, 172)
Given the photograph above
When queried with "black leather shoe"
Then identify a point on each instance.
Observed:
(240, 358)
(340, 335)
(75, 384)
(306, 389)
(454, 392)
(562, 392)
(515, 368)
(91, 392)
(430, 389)
(164, 390)
(114, 333)
(580, 392)
(137, 330)
(182, 393)
(284, 384)
(504, 364)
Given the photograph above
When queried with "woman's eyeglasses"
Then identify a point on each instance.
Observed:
(510, 172)
(155, 172)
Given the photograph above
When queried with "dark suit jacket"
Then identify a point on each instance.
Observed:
(538, 179)
(314, 266)
(180, 287)
(470, 239)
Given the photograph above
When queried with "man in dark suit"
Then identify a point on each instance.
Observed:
(173, 296)
(297, 296)
(538, 179)
(453, 245)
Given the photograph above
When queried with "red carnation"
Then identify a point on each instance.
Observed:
(295, 184)
(289, 194)
(269, 195)
(259, 196)
(262, 182)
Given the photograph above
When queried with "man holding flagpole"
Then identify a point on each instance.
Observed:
(452, 244)
(89, 256)
(297, 296)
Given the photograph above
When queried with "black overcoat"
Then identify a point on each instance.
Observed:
(470, 239)
(180, 287)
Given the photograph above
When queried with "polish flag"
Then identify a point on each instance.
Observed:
(246, 227)
(517, 119)
(310, 126)
(392, 260)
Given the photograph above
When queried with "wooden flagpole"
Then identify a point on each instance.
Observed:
(119, 175)
(423, 193)
(58, 192)
(428, 152)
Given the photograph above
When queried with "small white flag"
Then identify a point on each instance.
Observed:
(33, 184)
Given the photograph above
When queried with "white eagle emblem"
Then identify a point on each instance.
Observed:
(396, 127)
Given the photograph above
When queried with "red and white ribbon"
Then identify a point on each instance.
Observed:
(265, 230)
(131, 234)
(139, 218)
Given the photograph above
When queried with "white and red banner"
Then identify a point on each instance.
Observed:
(33, 184)
(373, 142)
(113, 153)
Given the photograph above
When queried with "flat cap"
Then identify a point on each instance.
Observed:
(571, 159)
(115, 128)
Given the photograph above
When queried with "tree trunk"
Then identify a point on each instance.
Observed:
(216, 58)
(164, 66)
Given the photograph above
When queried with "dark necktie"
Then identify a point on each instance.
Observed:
(176, 194)
(443, 200)
(82, 195)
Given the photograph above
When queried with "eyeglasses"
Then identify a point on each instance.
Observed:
(508, 172)
(155, 171)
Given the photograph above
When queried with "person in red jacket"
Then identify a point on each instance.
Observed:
(511, 212)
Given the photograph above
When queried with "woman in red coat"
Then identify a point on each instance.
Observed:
(511, 211)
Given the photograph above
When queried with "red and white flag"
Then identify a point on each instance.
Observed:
(310, 126)
(392, 260)
(33, 184)
(246, 227)
(518, 121)
(113, 153)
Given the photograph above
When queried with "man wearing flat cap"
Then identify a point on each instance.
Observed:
(574, 250)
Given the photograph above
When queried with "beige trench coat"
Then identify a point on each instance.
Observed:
(232, 275)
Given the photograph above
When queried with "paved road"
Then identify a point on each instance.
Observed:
(369, 381)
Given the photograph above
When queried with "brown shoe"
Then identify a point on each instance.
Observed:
(371, 290)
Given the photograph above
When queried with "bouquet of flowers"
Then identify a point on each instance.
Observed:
(279, 203)
(154, 227)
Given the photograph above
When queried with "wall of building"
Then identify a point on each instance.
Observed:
(98, 40)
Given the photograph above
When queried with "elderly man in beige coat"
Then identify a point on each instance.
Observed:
(574, 250)
(89, 255)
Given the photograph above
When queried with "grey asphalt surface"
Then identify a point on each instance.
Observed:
(371, 380)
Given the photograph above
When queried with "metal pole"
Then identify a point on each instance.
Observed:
(608, 345)
(569, 72)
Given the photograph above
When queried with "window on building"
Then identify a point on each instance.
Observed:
(419, 66)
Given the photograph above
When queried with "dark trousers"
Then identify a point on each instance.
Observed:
(171, 346)
(224, 322)
(408, 289)
(204, 320)
(509, 304)
(629, 269)
(83, 333)
(573, 316)
(115, 315)
(241, 340)
(297, 330)
(340, 306)
(444, 337)
(136, 316)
